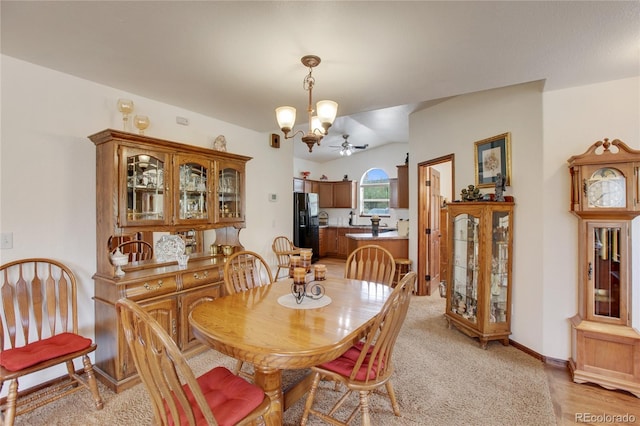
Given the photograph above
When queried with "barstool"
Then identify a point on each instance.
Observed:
(403, 266)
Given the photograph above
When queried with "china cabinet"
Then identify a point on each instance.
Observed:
(605, 336)
(480, 237)
(146, 185)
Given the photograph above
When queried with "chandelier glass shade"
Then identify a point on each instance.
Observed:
(319, 124)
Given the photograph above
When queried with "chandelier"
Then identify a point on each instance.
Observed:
(318, 124)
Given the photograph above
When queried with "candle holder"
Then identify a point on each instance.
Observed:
(305, 256)
(294, 262)
(301, 289)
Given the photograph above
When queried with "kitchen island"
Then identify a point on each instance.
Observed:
(396, 244)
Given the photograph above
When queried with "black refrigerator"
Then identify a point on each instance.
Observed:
(305, 222)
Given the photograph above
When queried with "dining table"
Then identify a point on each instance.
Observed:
(266, 327)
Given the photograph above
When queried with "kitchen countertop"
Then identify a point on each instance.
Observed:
(382, 228)
(392, 235)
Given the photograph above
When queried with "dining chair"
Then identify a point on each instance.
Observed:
(367, 365)
(283, 249)
(137, 250)
(371, 263)
(38, 330)
(244, 270)
(177, 396)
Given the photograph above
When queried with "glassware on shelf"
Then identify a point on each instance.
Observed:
(125, 106)
(141, 122)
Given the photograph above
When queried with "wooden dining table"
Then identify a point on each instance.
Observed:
(254, 326)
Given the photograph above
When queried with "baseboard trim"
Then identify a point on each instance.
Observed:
(552, 362)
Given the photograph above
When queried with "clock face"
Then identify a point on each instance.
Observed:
(606, 189)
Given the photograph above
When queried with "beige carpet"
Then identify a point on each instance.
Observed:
(442, 378)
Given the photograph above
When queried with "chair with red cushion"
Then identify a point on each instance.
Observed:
(217, 397)
(38, 330)
(367, 365)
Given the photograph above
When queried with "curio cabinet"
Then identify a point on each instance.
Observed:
(478, 288)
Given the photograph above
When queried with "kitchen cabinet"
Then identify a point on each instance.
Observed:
(335, 242)
(325, 194)
(305, 185)
(322, 248)
(399, 189)
(339, 194)
(330, 241)
(479, 282)
(146, 185)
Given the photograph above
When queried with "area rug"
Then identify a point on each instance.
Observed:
(442, 377)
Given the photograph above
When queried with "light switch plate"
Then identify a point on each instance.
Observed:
(6, 240)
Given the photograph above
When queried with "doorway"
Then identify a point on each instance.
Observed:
(436, 185)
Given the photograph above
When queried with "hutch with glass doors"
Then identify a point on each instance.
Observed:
(605, 333)
(146, 185)
(478, 291)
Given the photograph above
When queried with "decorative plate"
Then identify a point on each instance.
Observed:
(169, 247)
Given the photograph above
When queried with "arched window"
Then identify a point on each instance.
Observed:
(374, 193)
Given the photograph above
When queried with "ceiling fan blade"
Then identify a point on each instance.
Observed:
(360, 146)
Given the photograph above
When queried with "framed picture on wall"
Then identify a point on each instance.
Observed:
(493, 157)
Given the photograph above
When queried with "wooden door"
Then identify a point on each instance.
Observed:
(433, 224)
(429, 202)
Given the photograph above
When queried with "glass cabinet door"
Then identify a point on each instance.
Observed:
(606, 272)
(465, 239)
(193, 176)
(230, 192)
(144, 186)
(499, 267)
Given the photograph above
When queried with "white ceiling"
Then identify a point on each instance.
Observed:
(237, 61)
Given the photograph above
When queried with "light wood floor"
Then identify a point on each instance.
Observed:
(570, 400)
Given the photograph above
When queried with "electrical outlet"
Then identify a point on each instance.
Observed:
(182, 120)
(6, 240)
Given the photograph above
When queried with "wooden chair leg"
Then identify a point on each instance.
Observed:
(12, 397)
(364, 408)
(310, 398)
(92, 382)
(392, 397)
(238, 367)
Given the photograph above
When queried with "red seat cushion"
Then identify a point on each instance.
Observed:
(346, 362)
(230, 397)
(43, 350)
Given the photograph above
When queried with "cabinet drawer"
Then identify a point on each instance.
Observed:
(193, 279)
(152, 287)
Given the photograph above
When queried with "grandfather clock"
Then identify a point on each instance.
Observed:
(605, 333)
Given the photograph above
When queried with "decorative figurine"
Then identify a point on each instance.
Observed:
(501, 183)
(471, 193)
(220, 143)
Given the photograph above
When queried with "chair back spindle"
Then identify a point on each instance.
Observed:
(371, 263)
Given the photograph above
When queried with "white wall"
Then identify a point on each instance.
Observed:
(453, 126)
(47, 178)
(573, 120)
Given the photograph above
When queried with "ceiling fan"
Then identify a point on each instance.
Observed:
(346, 148)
